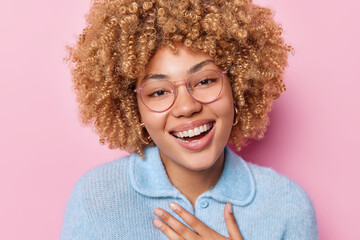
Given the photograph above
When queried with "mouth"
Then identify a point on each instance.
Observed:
(194, 134)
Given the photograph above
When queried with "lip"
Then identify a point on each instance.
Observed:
(199, 144)
(190, 125)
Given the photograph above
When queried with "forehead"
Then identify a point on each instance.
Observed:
(166, 64)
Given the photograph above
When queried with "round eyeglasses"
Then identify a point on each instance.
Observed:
(203, 86)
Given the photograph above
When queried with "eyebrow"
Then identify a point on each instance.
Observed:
(190, 71)
(198, 66)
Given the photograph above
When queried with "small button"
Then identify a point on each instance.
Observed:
(204, 203)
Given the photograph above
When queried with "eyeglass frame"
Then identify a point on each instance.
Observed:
(175, 83)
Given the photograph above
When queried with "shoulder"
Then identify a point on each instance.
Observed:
(101, 180)
(96, 195)
(289, 199)
(268, 180)
(108, 171)
(107, 183)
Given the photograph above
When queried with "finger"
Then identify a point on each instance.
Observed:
(190, 219)
(231, 225)
(179, 228)
(171, 234)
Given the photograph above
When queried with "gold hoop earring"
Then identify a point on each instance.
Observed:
(148, 140)
(236, 117)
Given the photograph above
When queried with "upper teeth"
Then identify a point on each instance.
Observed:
(193, 132)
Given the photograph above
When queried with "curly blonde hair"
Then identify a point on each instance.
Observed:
(121, 36)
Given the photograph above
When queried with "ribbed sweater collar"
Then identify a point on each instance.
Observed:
(236, 184)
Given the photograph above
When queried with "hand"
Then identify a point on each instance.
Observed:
(175, 230)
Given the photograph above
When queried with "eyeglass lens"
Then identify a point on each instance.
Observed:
(204, 86)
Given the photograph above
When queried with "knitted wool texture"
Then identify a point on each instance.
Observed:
(116, 201)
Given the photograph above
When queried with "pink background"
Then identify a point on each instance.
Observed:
(312, 138)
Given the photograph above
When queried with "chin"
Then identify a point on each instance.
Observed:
(199, 161)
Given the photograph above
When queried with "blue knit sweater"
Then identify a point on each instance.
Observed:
(116, 201)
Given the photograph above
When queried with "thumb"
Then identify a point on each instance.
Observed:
(231, 225)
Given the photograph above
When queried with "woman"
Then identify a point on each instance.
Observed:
(174, 82)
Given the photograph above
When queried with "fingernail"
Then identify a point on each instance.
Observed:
(158, 212)
(229, 206)
(157, 222)
(173, 206)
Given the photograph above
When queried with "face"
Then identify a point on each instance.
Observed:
(165, 128)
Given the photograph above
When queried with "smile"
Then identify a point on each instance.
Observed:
(195, 133)
(195, 137)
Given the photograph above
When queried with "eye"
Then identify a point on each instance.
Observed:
(157, 93)
(206, 82)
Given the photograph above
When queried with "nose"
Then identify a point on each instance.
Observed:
(185, 105)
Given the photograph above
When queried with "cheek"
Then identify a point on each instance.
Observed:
(224, 110)
(225, 105)
(142, 110)
(154, 122)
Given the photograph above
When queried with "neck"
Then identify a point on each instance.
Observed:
(192, 183)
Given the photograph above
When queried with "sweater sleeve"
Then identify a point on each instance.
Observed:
(302, 224)
(76, 223)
